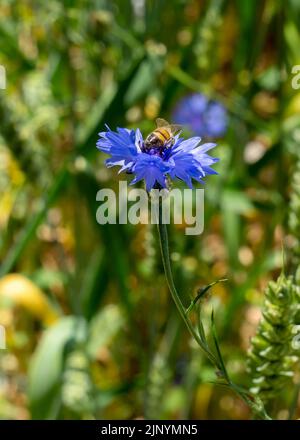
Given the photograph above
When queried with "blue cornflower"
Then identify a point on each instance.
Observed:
(201, 116)
(184, 159)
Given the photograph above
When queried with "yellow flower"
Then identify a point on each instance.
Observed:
(18, 290)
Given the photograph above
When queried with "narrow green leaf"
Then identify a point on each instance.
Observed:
(47, 366)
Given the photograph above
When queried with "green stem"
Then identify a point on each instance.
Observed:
(255, 405)
(164, 246)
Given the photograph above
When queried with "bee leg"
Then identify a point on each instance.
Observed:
(170, 143)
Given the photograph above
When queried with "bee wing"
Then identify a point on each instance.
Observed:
(175, 128)
(162, 123)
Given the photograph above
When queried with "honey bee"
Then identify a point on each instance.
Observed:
(163, 135)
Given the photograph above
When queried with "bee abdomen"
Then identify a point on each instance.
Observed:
(162, 133)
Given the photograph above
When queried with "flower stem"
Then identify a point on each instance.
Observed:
(254, 403)
(164, 246)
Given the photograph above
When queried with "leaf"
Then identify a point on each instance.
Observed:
(112, 239)
(219, 354)
(237, 202)
(201, 294)
(47, 366)
(91, 124)
(33, 222)
(94, 283)
(144, 80)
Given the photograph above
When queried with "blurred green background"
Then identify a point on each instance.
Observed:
(90, 326)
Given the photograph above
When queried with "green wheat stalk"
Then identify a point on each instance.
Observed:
(294, 228)
(271, 357)
(294, 220)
